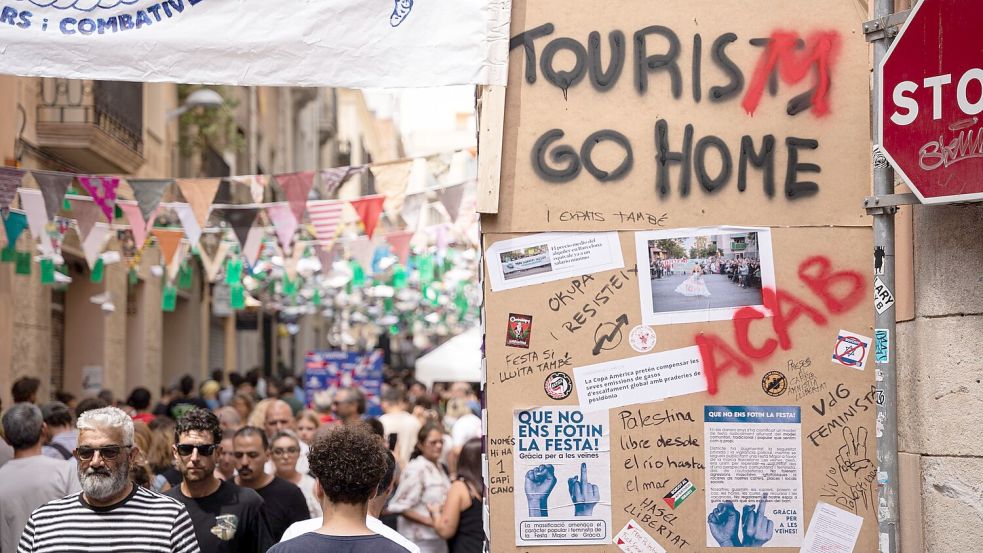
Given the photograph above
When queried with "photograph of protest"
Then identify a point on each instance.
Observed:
(522, 262)
(702, 274)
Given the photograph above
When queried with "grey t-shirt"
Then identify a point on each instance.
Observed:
(27, 484)
(312, 542)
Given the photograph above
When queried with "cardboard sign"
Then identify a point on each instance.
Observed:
(719, 150)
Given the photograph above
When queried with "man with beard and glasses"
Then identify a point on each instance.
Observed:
(227, 518)
(110, 513)
(283, 502)
(30, 479)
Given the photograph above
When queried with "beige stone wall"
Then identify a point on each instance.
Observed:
(940, 390)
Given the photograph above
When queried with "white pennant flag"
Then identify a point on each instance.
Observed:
(188, 220)
(37, 217)
(94, 242)
(174, 267)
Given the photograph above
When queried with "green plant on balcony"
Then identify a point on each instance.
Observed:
(201, 129)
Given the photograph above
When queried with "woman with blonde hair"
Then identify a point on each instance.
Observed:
(243, 404)
(258, 417)
(307, 424)
(154, 458)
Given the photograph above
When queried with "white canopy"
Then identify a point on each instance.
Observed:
(457, 359)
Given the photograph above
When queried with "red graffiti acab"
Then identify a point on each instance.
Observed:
(820, 51)
(839, 291)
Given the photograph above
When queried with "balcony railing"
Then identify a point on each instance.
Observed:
(97, 125)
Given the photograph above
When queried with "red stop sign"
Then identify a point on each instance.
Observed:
(931, 98)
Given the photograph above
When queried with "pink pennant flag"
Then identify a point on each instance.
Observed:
(86, 213)
(400, 243)
(254, 245)
(103, 192)
(361, 249)
(369, 208)
(284, 223)
(297, 187)
(139, 226)
(325, 216)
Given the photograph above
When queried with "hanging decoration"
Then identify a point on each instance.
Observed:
(284, 223)
(148, 193)
(103, 192)
(296, 187)
(10, 179)
(53, 185)
(325, 217)
(199, 193)
(369, 208)
(140, 226)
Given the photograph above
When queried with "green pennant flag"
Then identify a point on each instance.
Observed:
(8, 254)
(358, 274)
(399, 277)
(237, 296)
(316, 298)
(133, 278)
(98, 271)
(426, 269)
(168, 298)
(233, 271)
(23, 263)
(184, 278)
(289, 286)
(47, 271)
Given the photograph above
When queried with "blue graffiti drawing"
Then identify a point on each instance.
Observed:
(83, 5)
(400, 12)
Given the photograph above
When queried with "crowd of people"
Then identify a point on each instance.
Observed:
(243, 465)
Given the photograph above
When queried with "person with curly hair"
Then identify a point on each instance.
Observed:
(349, 464)
(226, 517)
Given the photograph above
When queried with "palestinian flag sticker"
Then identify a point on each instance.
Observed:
(679, 494)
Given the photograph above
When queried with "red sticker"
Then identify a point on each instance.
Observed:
(519, 332)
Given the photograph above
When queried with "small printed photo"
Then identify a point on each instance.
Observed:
(709, 272)
(522, 262)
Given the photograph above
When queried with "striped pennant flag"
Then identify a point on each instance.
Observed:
(325, 216)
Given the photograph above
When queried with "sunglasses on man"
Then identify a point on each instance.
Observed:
(204, 450)
(108, 453)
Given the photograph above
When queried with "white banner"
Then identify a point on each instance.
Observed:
(341, 43)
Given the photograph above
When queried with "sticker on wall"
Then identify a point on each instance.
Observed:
(642, 339)
(851, 350)
(558, 385)
(883, 297)
(879, 260)
(679, 494)
(632, 539)
(882, 339)
(774, 383)
(519, 331)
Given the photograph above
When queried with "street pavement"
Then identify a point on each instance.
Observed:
(723, 293)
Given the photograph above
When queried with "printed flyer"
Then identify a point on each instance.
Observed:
(753, 476)
(563, 458)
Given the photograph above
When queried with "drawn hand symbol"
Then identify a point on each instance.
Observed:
(758, 529)
(539, 483)
(724, 522)
(583, 494)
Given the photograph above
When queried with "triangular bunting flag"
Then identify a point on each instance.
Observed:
(212, 260)
(451, 197)
(189, 221)
(168, 241)
(10, 179)
(333, 178)
(138, 225)
(241, 221)
(199, 193)
(369, 208)
(14, 225)
(256, 184)
(325, 216)
(103, 192)
(411, 209)
(253, 245)
(174, 266)
(296, 187)
(94, 242)
(148, 193)
(53, 186)
(400, 242)
(86, 214)
(290, 263)
(361, 250)
(55, 232)
(33, 203)
(391, 181)
(284, 223)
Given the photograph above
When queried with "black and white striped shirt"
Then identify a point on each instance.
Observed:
(145, 522)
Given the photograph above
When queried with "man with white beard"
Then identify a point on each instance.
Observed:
(110, 513)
